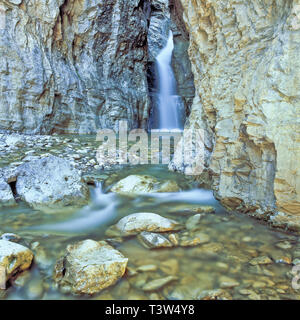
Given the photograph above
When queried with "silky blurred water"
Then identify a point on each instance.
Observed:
(234, 239)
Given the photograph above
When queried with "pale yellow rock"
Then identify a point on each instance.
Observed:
(145, 221)
(158, 283)
(89, 267)
(247, 101)
(14, 258)
(139, 184)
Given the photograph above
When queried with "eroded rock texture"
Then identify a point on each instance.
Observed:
(245, 59)
(73, 65)
(180, 62)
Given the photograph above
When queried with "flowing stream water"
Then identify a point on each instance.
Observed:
(223, 263)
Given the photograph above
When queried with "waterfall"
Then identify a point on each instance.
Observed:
(170, 105)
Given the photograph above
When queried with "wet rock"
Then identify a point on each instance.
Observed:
(139, 281)
(14, 258)
(228, 283)
(174, 239)
(280, 257)
(50, 182)
(193, 222)
(147, 268)
(245, 292)
(158, 283)
(6, 194)
(296, 262)
(191, 241)
(222, 266)
(259, 285)
(194, 239)
(155, 296)
(284, 245)
(252, 295)
(144, 221)
(261, 261)
(42, 259)
(204, 209)
(10, 237)
(186, 210)
(247, 239)
(35, 289)
(89, 267)
(131, 272)
(170, 267)
(217, 294)
(209, 248)
(154, 240)
(139, 184)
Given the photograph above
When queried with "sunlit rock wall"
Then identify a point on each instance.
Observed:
(245, 60)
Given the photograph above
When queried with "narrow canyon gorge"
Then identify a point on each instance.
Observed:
(70, 68)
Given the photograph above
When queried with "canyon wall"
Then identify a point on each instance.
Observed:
(72, 66)
(245, 60)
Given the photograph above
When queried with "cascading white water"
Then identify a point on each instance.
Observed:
(170, 105)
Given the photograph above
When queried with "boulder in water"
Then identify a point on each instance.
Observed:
(144, 221)
(14, 258)
(139, 184)
(51, 181)
(152, 240)
(89, 267)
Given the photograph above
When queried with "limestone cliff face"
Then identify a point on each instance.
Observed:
(72, 65)
(245, 60)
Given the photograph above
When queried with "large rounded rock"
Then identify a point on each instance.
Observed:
(139, 184)
(89, 266)
(143, 221)
(51, 181)
(14, 258)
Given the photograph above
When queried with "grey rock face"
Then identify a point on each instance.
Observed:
(181, 62)
(159, 27)
(73, 66)
(50, 181)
